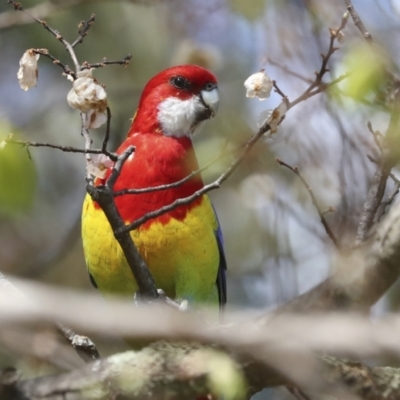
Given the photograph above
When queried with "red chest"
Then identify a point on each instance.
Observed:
(157, 160)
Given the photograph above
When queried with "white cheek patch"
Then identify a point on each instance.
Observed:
(177, 117)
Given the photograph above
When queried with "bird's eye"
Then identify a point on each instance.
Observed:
(210, 86)
(179, 82)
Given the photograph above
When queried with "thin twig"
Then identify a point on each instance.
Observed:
(125, 61)
(390, 197)
(313, 199)
(278, 90)
(67, 70)
(376, 135)
(54, 32)
(177, 183)
(207, 188)
(88, 144)
(66, 149)
(83, 26)
(317, 85)
(104, 149)
(290, 72)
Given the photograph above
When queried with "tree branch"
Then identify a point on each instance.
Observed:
(103, 195)
(85, 348)
(357, 21)
(314, 201)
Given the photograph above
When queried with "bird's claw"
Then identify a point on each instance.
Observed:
(138, 298)
(181, 304)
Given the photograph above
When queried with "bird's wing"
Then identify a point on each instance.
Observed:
(221, 276)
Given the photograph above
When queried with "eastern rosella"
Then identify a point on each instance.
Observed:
(182, 248)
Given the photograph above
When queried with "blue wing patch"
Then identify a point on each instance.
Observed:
(221, 276)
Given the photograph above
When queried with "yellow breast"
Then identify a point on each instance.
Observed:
(182, 256)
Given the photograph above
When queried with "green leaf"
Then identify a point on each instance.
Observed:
(368, 72)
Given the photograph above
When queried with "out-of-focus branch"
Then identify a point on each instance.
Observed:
(163, 371)
(361, 278)
(357, 21)
(85, 348)
(83, 345)
(314, 200)
(49, 8)
(390, 156)
(271, 352)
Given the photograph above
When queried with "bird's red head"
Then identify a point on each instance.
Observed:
(176, 101)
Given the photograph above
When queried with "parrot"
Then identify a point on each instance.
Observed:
(182, 248)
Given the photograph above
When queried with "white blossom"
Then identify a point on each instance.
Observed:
(2, 144)
(98, 165)
(258, 85)
(28, 70)
(88, 96)
(277, 114)
(341, 37)
(95, 119)
(274, 117)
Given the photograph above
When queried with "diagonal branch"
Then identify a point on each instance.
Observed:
(103, 195)
(84, 347)
(357, 21)
(83, 26)
(207, 188)
(314, 200)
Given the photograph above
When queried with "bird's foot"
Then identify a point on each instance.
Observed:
(181, 304)
(140, 299)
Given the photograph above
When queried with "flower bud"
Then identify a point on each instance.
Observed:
(258, 85)
(28, 70)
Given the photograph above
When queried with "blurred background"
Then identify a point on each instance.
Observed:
(275, 244)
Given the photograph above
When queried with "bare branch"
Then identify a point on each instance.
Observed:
(314, 201)
(67, 70)
(278, 90)
(66, 149)
(207, 188)
(357, 21)
(85, 348)
(83, 26)
(83, 345)
(378, 183)
(54, 32)
(290, 71)
(124, 62)
(317, 85)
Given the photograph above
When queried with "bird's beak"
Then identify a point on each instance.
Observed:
(210, 99)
